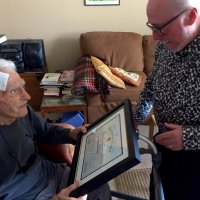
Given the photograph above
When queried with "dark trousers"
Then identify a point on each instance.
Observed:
(180, 174)
(101, 193)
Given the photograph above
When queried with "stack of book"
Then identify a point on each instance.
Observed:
(51, 84)
(56, 84)
(51, 79)
(51, 91)
(67, 77)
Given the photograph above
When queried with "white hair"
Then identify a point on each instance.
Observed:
(8, 64)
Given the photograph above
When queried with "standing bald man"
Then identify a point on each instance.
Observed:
(173, 90)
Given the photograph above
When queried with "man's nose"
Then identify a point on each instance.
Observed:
(25, 94)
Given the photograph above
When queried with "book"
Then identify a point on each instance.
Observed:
(67, 76)
(51, 91)
(44, 85)
(50, 79)
(66, 91)
(68, 85)
(3, 38)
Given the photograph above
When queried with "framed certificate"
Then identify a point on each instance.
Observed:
(108, 149)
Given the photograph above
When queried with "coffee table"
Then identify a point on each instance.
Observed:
(63, 104)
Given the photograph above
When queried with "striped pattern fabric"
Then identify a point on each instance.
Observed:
(86, 79)
(134, 182)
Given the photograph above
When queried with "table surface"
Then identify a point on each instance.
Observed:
(62, 101)
(63, 104)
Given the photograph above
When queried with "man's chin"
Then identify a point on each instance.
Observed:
(23, 111)
(172, 47)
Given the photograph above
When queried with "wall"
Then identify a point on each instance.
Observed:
(60, 23)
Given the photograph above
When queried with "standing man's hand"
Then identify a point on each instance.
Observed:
(172, 139)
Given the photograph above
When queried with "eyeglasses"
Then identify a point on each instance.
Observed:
(160, 30)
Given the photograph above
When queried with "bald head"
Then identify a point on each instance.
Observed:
(173, 5)
(184, 4)
(175, 23)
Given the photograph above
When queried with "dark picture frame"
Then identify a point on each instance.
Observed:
(109, 148)
(101, 2)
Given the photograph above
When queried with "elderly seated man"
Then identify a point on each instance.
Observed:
(25, 174)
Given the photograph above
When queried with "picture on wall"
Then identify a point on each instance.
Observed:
(101, 2)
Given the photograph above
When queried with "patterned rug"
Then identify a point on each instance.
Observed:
(136, 180)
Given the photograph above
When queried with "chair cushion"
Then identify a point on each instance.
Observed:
(129, 77)
(105, 71)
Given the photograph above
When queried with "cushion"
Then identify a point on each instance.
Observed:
(105, 71)
(129, 77)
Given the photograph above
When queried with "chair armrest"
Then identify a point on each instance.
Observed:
(60, 153)
(56, 152)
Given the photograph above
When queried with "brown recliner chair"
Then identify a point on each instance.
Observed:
(127, 50)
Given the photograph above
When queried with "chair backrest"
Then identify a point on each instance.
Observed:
(117, 49)
(149, 47)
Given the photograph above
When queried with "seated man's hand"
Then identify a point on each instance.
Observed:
(70, 154)
(73, 133)
(64, 193)
(76, 131)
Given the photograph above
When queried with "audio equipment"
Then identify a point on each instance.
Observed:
(12, 50)
(28, 55)
(34, 55)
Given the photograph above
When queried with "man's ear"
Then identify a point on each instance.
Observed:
(192, 16)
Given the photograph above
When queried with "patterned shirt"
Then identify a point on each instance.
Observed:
(173, 89)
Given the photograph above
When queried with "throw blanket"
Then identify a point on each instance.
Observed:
(87, 79)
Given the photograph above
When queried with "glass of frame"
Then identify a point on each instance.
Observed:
(109, 148)
(101, 2)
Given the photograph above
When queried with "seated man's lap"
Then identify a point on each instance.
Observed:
(59, 181)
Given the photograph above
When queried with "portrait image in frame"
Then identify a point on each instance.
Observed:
(101, 2)
(109, 148)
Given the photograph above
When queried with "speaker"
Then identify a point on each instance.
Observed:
(34, 55)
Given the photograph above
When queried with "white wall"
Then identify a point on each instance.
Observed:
(60, 23)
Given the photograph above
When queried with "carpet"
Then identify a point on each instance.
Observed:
(135, 181)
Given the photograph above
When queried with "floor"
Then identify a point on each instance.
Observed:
(146, 160)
